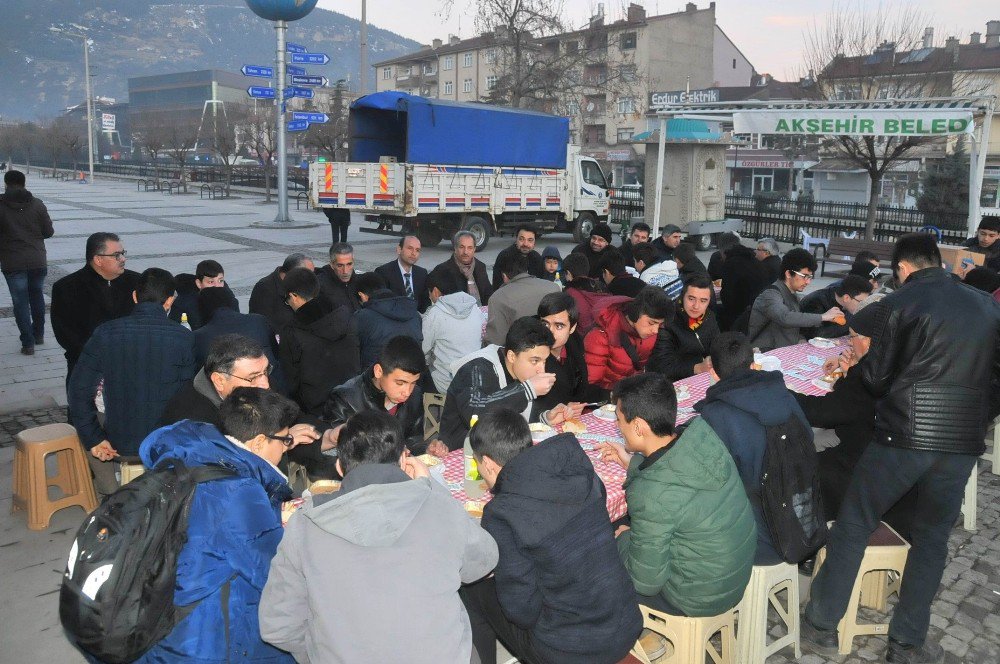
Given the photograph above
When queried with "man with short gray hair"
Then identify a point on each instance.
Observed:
(337, 279)
(769, 255)
(469, 270)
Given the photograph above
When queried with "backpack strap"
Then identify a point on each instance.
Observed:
(630, 350)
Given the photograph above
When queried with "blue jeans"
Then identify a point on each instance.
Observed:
(29, 303)
(882, 476)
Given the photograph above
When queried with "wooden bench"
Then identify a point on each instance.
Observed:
(843, 251)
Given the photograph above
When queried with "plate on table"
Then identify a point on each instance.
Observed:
(540, 432)
(821, 342)
(683, 392)
(826, 386)
(606, 413)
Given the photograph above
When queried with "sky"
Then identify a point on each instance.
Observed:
(768, 32)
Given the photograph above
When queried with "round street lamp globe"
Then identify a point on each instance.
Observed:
(281, 10)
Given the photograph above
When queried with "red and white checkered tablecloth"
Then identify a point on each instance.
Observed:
(792, 357)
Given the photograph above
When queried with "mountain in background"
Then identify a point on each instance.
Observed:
(41, 72)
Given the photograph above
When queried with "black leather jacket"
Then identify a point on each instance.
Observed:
(934, 364)
(360, 394)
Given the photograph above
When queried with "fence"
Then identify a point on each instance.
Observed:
(782, 219)
(243, 176)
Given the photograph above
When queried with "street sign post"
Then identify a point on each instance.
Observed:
(294, 48)
(295, 71)
(298, 125)
(312, 118)
(310, 58)
(320, 81)
(304, 93)
(258, 92)
(258, 71)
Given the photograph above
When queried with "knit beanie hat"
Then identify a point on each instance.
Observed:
(602, 230)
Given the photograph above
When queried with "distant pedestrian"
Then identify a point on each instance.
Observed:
(339, 219)
(24, 227)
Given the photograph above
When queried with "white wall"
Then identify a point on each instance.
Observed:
(723, 54)
(840, 187)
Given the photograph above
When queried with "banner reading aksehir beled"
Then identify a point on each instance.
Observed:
(854, 122)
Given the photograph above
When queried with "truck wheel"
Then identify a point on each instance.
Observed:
(480, 229)
(429, 236)
(584, 224)
(702, 242)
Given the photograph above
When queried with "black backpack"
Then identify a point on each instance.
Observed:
(117, 596)
(790, 496)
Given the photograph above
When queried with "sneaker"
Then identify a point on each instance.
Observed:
(898, 653)
(28, 350)
(39, 341)
(822, 641)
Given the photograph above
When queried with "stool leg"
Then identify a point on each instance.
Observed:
(20, 492)
(38, 492)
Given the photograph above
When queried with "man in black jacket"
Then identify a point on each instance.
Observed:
(524, 243)
(24, 227)
(466, 268)
(638, 234)
(99, 291)
(683, 345)
(595, 248)
(618, 280)
(319, 348)
(566, 361)
(933, 366)
(670, 238)
(337, 279)
(743, 279)
(847, 295)
(268, 297)
(403, 276)
(987, 241)
(559, 593)
(391, 385)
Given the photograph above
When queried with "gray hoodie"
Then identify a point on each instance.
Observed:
(372, 574)
(452, 328)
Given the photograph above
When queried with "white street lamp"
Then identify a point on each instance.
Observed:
(90, 111)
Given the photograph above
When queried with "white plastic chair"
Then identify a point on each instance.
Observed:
(849, 235)
(812, 244)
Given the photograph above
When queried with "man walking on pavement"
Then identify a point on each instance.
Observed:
(24, 227)
(935, 353)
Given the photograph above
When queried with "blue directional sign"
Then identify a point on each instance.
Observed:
(304, 93)
(295, 71)
(310, 58)
(310, 80)
(312, 118)
(298, 125)
(258, 71)
(258, 92)
(294, 48)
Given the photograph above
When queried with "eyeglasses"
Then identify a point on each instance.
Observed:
(807, 277)
(859, 298)
(255, 377)
(118, 255)
(287, 441)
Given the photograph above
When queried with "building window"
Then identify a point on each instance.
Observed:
(626, 105)
(627, 40)
(404, 71)
(491, 56)
(386, 73)
(449, 88)
(625, 134)
(628, 72)
(734, 63)
(467, 60)
(573, 108)
(572, 46)
(449, 63)
(491, 82)
(467, 85)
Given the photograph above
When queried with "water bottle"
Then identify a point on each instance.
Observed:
(472, 480)
(184, 320)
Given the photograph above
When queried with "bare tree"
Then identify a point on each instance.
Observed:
(261, 137)
(865, 53)
(149, 133)
(225, 139)
(179, 138)
(8, 142)
(63, 137)
(329, 138)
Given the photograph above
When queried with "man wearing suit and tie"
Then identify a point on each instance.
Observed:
(404, 276)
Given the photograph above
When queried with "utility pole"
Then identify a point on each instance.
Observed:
(280, 29)
(363, 83)
(90, 109)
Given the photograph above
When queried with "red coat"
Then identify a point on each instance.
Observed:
(608, 361)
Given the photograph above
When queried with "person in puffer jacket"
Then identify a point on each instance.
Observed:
(623, 338)
(382, 316)
(233, 529)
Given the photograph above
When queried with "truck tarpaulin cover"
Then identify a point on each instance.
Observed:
(431, 131)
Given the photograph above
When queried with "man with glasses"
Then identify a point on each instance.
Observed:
(847, 294)
(98, 292)
(776, 318)
(142, 359)
(769, 255)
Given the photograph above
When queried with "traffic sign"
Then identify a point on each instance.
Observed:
(295, 71)
(310, 58)
(317, 118)
(321, 81)
(258, 71)
(298, 125)
(304, 93)
(258, 92)
(294, 48)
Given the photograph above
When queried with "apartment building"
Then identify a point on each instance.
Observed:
(627, 61)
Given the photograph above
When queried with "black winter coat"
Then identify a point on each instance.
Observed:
(252, 326)
(384, 316)
(318, 351)
(83, 300)
(187, 301)
(24, 226)
(743, 279)
(336, 292)
(394, 278)
(559, 575)
(772, 264)
(593, 258)
(450, 267)
(678, 348)
(536, 265)
(626, 284)
(819, 302)
(571, 378)
(361, 394)
(934, 364)
(268, 300)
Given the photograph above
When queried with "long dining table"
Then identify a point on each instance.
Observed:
(801, 366)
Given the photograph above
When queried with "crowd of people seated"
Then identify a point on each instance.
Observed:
(329, 368)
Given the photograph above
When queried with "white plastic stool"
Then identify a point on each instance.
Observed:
(766, 582)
